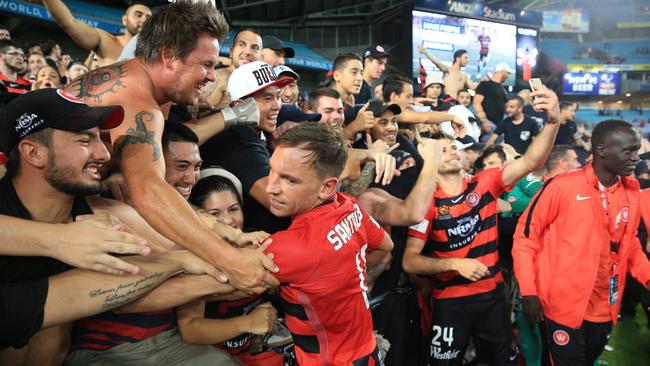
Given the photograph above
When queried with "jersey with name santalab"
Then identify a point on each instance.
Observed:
(464, 226)
(322, 261)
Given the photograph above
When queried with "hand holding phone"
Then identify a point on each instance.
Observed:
(535, 84)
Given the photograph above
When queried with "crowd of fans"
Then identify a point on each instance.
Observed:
(181, 208)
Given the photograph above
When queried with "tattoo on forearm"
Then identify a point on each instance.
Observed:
(126, 292)
(360, 185)
(140, 135)
(98, 83)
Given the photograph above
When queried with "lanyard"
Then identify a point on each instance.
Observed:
(617, 224)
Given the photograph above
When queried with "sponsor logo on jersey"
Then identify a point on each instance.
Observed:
(561, 337)
(625, 214)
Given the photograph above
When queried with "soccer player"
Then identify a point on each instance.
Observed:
(576, 243)
(322, 256)
(461, 234)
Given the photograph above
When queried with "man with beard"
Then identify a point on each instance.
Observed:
(54, 159)
(454, 77)
(577, 241)
(490, 98)
(173, 61)
(12, 61)
(461, 235)
(518, 129)
(107, 46)
(374, 64)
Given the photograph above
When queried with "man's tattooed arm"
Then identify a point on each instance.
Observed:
(139, 135)
(97, 83)
(361, 184)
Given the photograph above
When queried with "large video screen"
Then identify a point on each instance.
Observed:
(487, 43)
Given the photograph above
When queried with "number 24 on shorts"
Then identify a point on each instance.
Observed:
(447, 334)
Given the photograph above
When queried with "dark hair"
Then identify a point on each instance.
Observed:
(458, 54)
(315, 96)
(565, 105)
(51, 67)
(341, 60)
(177, 132)
(178, 26)
(134, 3)
(394, 84)
(519, 100)
(440, 135)
(557, 153)
(47, 46)
(206, 186)
(463, 91)
(6, 44)
(498, 149)
(605, 129)
(43, 137)
(328, 146)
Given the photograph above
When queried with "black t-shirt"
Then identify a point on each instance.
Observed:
(400, 187)
(365, 94)
(565, 134)
(539, 117)
(519, 136)
(240, 151)
(24, 280)
(495, 99)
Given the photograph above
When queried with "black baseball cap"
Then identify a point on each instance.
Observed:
(376, 51)
(645, 156)
(275, 43)
(53, 108)
(377, 108)
(289, 112)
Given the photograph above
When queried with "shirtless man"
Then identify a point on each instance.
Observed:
(455, 79)
(170, 66)
(107, 46)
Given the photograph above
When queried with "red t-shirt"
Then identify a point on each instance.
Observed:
(322, 260)
(464, 226)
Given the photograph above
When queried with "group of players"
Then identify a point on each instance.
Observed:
(417, 210)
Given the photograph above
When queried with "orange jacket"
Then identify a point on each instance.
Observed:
(557, 245)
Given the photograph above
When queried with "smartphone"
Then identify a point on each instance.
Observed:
(535, 84)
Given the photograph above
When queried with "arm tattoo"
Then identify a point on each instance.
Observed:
(127, 292)
(360, 185)
(140, 135)
(98, 83)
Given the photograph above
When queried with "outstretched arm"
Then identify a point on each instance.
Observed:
(438, 63)
(77, 293)
(540, 148)
(82, 34)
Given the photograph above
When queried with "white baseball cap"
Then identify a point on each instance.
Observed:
(253, 77)
(433, 79)
(502, 66)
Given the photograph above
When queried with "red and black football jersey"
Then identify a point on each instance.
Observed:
(322, 261)
(464, 226)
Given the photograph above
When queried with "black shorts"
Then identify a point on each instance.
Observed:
(22, 306)
(576, 347)
(486, 321)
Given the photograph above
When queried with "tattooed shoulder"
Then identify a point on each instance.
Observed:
(140, 135)
(98, 83)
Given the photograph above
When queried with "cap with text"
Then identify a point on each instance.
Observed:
(52, 108)
(254, 76)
